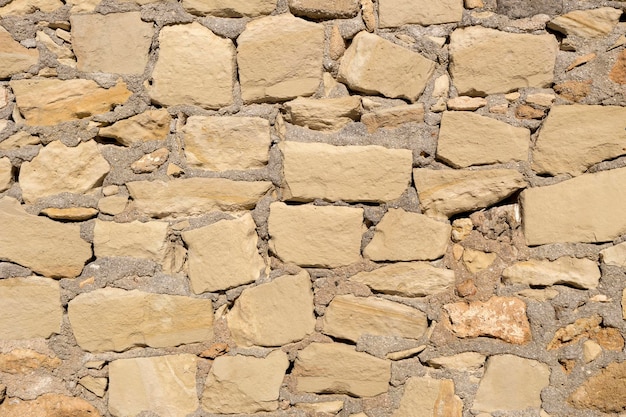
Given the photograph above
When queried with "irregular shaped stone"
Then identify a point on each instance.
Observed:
(114, 319)
(186, 74)
(368, 15)
(20, 361)
(195, 195)
(444, 193)
(19, 140)
(244, 384)
(223, 255)
(71, 214)
(564, 144)
(467, 139)
(579, 273)
(587, 327)
(230, 8)
(429, 397)
(316, 236)
(465, 103)
(14, 58)
(511, 383)
(556, 213)
(336, 48)
(6, 174)
(591, 350)
(60, 169)
(35, 306)
(349, 317)
(150, 162)
(539, 295)
(393, 116)
(335, 368)
(396, 13)
(487, 61)
(49, 405)
(47, 102)
(95, 385)
(324, 9)
(527, 112)
(618, 72)
(348, 173)
(405, 236)
(465, 361)
(275, 313)
(279, 58)
(54, 249)
(403, 354)
(165, 385)
(225, 143)
(407, 279)
(604, 391)
(615, 255)
(476, 261)
(135, 239)
(147, 126)
(500, 317)
(23, 7)
(328, 114)
(373, 65)
(587, 23)
(573, 90)
(331, 407)
(112, 205)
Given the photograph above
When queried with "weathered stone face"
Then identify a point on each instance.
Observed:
(324, 9)
(147, 126)
(587, 23)
(323, 114)
(426, 397)
(49, 405)
(579, 273)
(136, 239)
(594, 395)
(229, 8)
(14, 58)
(394, 13)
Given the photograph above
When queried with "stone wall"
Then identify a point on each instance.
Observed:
(390, 208)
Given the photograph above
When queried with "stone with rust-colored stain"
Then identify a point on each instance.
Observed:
(618, 72)
(429, 397)
(524, 111)
(147, 126)
(49, 405)
(20, 361)
(588, 327)
(605, 391)
(14, 58)
(215, 350)
(573, 90)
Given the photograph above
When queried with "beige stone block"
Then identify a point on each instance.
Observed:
(564, 144)
(487, 61)
(557, 213)
(35, 308)
(587, 23)
(467, 139)
(47, 102)
(407, 279)
(465, 103)
(70, 214)
(147, 126)
(406, 353)
(327, 114)
(22, 361)
(135, 239)
(542, 295)
(112, 205)
(230, 8)
(60, 169)
(395, 13)
(23, 7)
(373, 65)
(336, 48)
(331, 407)
(60, 51)
(368, 15)
(308, 235)
(349, 317)
(18, 140)
(275, 313)
(49, 405)
(186, 74)
(591, 351)
(602, 391)
(280, 58)
(195, 195)
(429, 397)
(392, 117)
(466, 361)
(95, 385)
(6, 174)
(476, 261)
(14, 58)
(511, 383)
(223, 255)
(244, 384)
(164, 385)
(324, 9)
(225, 143)
(444, 193)
(150, 162)
(614, 255)
(111, 319)
(405, 236)
(578, 273)
(335, 368)
(347, 173)
(54, 249)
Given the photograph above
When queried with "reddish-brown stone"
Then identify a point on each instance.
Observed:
(618, 73)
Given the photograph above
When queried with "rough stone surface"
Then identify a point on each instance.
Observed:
(365, 67)
(579, 273)
(429, 397)
(393, 117)
(135, 239)
(618, 72)
(165, 385)
(96, 385)
(615, 255)
(230, 8)
(147, 126)
(6, 174)
(19, 140)
(587, 328)
(335, 368)
(527, 8)
(587, 23)
(465, 361)
(487, 61)
(71, 214)
(394, 13)
(14, 58)
(274, 314)
(324, 9)
(151, 161)
(49, 405)
(20, 361)
(107, 319)
(328, 114)
(594, 395)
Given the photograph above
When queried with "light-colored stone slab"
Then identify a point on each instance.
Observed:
(6, 174)
(615, 255)
(23, 7)
(335, 368)
(114, 319)
(49, 405)
(147, 126)
(135, 239)
(327, 114)
(230, 8)
(18, 140)
(405, 236)
(587, 23)
(324, 9)
(70, 214)
(348, 173)
(487, 61)
(466, 361)
(393, 117)
(309, 235)
(429, 397)
(96, 385)
(112, 205)
(35, 308)
(150, 162)
(395, 13)
(14, 58)
(165, 385)
(373, 65)
(331, 407)
(579, 273)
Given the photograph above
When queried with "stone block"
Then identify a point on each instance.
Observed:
(578, 273)
(49, 405)
(587, 23)
(428, 397)
(324, 9)
(135, 239)
(229, 8)
(395, 13)
(327, 114)
(147, 126)
(14, 58)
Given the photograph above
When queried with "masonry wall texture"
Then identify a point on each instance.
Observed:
(324, 208)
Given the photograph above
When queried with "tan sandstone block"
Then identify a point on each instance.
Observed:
(6, 174)
(348, 173)
(444, 193)
(335, 368)
(579, 273)
(70, 214)
(487, 61)
(587, 23)
(324, 9)
(405, 236)
(230, 8)
(165, 385)
(614, 255)
(23, 7)
(19, 140)
(275, 313)
(54, 249)
(21, 361)
(147, 126)
(49, 405)
(393, 116)
(135, 239)
(46, 102)
(14, 58)
(429, 397)
(60, 169)
(395, 13)
(223, 255)
(373, 65)
(96, 385)
(466, 361)
(466, 139)
(557, 213)
(328, 114)
(564, 144)
(280, 58)
(35, 308)
(186, 74)
(111, 319)
(603, 391)
(244, 384)
(309, 235)
(225, 143)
